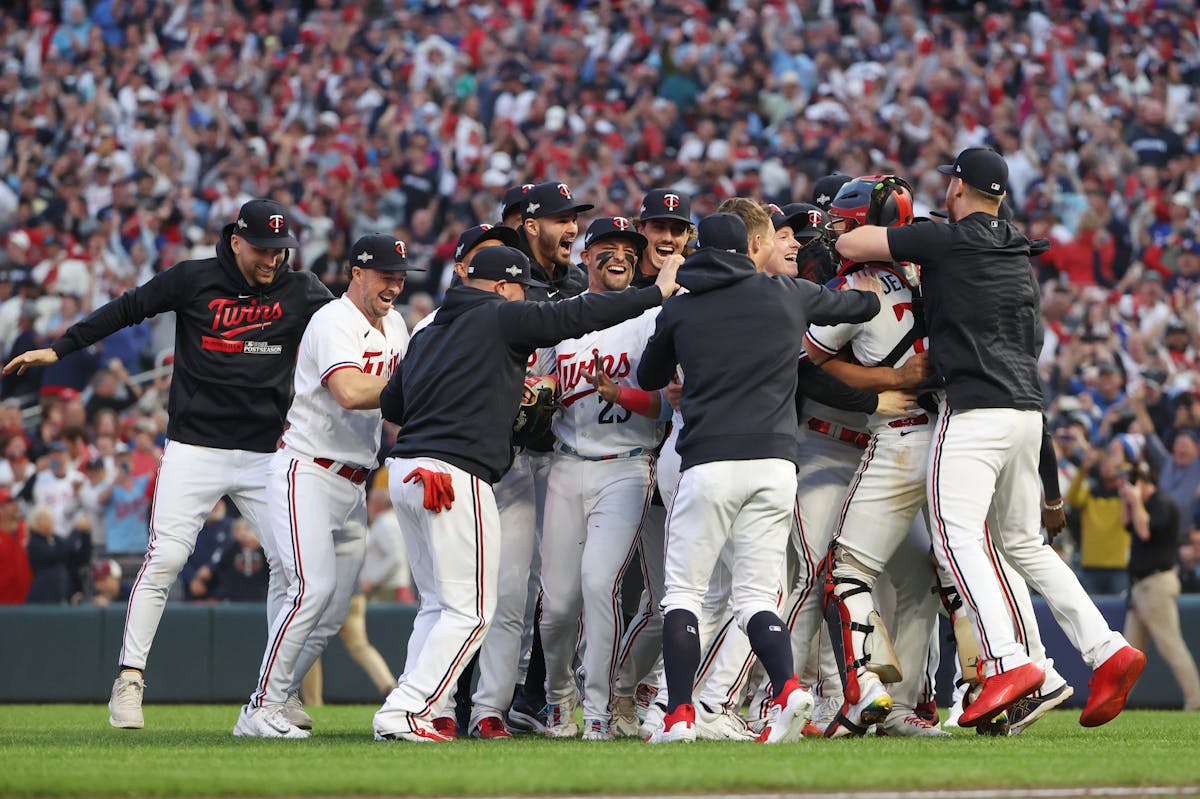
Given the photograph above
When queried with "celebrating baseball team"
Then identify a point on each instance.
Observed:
(810, 428)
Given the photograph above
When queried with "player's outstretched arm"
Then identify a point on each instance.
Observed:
(19, 364)
(355, 390)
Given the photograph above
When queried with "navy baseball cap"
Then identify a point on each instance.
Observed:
(825, 189)
(805, 219)
(472, 237)
(512, 198)
(550, 199)
(981, 168)
(264, 223)
(724, 232)
(502, 263)
(613, 227)
(666, 204)
(383, 252)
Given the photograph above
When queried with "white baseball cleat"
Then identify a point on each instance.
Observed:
(624, 718)
(268, 721)
(294, 710)
(125, 702)
(788, 714)
(653, 721)
(721, 725)
(677, 727)
(596, 730)
(422, 731)
(904, 722)
(560, 721)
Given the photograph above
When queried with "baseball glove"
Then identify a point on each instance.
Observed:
(538, 404)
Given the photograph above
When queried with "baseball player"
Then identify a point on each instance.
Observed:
(239, 319)
(316, 494)
(455, 396)
(982, 311)
(665, 219)
(601, 479)
(738, 467)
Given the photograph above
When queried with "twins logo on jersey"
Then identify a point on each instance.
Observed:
(571, 371)
(374, 363)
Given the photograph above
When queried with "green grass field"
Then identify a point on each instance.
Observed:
(187, 750)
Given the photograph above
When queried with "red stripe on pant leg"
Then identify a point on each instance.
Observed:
(811, 567)
(616, 590)
(984, 645)
(1005, 587)
(145, 564)
(854, 483)
(450, 675)
(293, 527)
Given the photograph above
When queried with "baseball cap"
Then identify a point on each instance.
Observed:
(724, 232)
(666, 204)
(825, 189)
(264, 223)
(381, 251)
(806, 220)
(502, 263)
(472, 237)
(512, 198)
(612, 227)
(550, 199)
(980, 168)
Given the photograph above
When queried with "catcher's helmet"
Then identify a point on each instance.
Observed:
(884, 200)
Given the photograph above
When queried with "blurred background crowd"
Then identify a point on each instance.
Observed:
(132, 130)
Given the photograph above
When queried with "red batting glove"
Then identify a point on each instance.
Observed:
(438, 488)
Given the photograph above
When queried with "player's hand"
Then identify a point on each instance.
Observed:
(1054, 521)
(868, 281)
(673, 391)
(19, 364)
(897, 403)
(666, 275)
(914, 372)
(599, 378)
(439, 488)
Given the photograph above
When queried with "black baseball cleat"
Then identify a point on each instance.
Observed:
(524, 717)
(1029, 709)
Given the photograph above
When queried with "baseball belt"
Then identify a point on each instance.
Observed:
(354, 474)
(633, 453)
(844, 434)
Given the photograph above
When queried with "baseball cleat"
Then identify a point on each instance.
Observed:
(490, 728)
(643, 697)
(826, 712)
(294, 710)
(267, 721)
(1110, 686)
(560, 721)
(596, 730)
(788, 714)
(677, 727)
(999, 692)
(812, 731)
(653, 721)
(125, 702)
(872, 708)
(421, 732)
(928, 711)
(523, 717)
(624, 717)
(1028, 710)
(446, 727)
(720, 725)
(905, 723)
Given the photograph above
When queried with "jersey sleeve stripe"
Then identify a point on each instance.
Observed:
(819, 345)
(336, 367)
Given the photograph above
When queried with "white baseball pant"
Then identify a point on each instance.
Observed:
(318, 531)
(190, 481)
(455, 564)
(983, 459)
(594, 512)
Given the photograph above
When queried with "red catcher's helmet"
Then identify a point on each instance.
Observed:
(884, 200)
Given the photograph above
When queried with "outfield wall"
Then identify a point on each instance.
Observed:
(211, 653)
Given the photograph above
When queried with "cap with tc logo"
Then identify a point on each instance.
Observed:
(550, 199)
(666, 204)
(980, 168)
(264, 223)
(512, 199)
(502, 263)
(472, 237)
(382, 251)
(613, 227)
(805, 219)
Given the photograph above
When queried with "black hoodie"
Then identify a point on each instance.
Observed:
(235, 345)
(456, 392)
(737, 337)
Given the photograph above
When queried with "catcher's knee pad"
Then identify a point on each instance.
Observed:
(849, 609)
(965, 642)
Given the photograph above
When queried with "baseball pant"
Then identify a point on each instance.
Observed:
(190, 481)
(594, 513)
(455, 563)
(985, 459)
(539, 467)
(358, 646)
(502, 648)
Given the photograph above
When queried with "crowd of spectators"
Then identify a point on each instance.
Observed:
(133, 130)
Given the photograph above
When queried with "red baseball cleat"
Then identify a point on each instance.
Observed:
(1001, 691)
(490, 727)
(446, 727)
(1110, 686)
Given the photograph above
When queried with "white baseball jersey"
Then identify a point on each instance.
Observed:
(588, 424)
(339, 336)
(872, 341)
